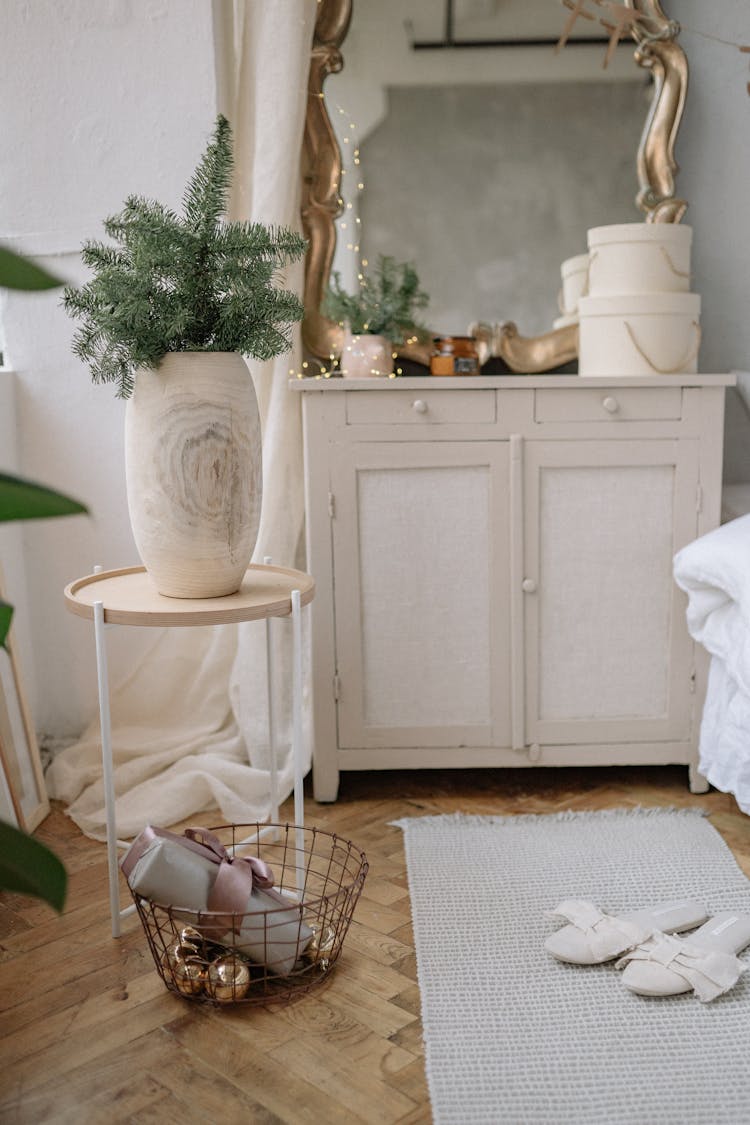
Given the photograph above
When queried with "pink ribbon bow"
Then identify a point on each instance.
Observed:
(235, 880)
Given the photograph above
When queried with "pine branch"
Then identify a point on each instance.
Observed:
(189, 282)
(386, 304)
(205, 198)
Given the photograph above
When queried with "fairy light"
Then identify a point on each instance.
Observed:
(326, 369)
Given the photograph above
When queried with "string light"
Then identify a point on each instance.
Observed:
(324, 371)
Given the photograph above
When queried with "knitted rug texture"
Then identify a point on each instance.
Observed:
(513, 1036)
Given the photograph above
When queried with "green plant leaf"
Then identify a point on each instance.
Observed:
(6, 614)
(28, 867)
(24, 500)
(19, 273)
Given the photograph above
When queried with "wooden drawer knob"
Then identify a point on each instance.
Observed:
(610, 404)
(419, 405)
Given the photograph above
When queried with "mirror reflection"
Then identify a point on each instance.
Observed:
(484, 167)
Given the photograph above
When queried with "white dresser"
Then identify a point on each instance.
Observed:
(493, 559)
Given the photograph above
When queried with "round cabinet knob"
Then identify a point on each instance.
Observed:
(528, 586)
(419, 405)
(610, 404)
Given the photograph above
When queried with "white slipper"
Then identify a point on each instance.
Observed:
(593, 936)
(706, 962)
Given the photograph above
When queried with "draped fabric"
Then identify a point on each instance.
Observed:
(713, 571)
(189, 725)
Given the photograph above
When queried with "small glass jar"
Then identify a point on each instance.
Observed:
(454, 355)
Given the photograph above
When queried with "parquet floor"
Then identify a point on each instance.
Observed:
(89, 1034)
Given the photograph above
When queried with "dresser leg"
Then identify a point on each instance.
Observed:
(697, 781)
(325, 783)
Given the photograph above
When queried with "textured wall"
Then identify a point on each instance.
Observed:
(713, 150)
(99, 100)
(489, 188)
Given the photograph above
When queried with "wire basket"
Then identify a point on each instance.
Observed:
(266, 956)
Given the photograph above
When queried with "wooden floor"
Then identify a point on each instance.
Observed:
(89, 1033)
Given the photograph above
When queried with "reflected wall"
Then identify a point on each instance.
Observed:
(487, 189)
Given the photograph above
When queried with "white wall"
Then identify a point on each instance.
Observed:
(99, 100)
(713, 150)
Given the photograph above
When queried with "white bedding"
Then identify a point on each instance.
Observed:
(714, 571)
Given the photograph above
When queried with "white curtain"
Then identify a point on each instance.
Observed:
(189, 726)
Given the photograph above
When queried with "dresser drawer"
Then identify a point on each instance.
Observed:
(420, 407)
(600, 404)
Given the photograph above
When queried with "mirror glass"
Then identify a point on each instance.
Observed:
(484, 166)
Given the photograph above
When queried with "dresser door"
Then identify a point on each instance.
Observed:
(420, 557)
(608, 656)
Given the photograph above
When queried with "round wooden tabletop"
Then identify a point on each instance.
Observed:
(129, 597)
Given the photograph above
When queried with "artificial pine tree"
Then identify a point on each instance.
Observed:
(191, 282)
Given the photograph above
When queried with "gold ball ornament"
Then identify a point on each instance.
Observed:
(190, 936)
(189, 976)
(179, 951)
(321, 944)
(228, 979)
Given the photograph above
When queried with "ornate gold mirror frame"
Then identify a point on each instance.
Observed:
(656, 49)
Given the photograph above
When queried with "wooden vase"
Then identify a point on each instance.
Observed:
(194, 472)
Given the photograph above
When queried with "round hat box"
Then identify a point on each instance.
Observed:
(639, 258)
(658, 334)
(574, 273)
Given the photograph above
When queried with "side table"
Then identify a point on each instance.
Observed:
(129, 597)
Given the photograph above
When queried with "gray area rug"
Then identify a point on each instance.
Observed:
(514, 1036)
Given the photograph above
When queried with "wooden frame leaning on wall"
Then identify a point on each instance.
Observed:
(656, 50)
(23, 796)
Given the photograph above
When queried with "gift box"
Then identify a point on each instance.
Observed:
(230, 899)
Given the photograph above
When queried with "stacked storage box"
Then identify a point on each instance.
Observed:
(574, 273)
(639, 317)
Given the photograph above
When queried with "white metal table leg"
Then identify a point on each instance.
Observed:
(109, 790)
(270, 682)
(299, 793)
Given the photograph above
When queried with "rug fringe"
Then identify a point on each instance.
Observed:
(567, 814)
